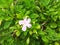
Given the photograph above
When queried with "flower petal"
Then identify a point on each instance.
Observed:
(29, 25)
(24, 28)
(21, 22)
(28, 20)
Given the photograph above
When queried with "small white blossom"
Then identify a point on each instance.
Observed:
(25, 23)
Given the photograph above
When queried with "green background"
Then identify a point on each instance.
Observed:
(45, 20)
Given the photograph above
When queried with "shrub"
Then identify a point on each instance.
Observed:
(45, 21)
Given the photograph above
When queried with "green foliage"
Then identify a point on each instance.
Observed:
(45, 21)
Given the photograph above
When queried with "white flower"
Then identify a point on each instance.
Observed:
(25, 23)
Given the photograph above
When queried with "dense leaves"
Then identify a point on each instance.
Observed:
(45, 21)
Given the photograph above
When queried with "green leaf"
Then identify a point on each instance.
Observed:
(44, 38)
(7, 24)
(34, 15)
(44, 2)
(17, 33)
(42, 33)
(30, 32)
(5, 3)
(35, 31)
(0, 22)
(56, 43)
(54, 17)
(28, 40)
(53, 25)
(38, 26)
